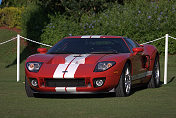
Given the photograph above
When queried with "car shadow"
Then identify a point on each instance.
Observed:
(138, 88)
(75, 96)
(171, 80)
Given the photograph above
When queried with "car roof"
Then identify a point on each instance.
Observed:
(95, 36)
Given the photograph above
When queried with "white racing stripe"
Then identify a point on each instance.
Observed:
(95, 36)
(71, 71)
(71, 89)
(60, 89)
(74, 65)
(80, 59)
(71, 64)
(87, 36)
(59, 71)
(69, 58)
(65, 89)
(62, 67)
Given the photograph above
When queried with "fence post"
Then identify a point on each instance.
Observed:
(18, 57)
(166, 59)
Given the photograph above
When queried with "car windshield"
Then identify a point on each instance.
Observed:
(89, 46)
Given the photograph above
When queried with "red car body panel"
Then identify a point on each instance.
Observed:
(83, 67)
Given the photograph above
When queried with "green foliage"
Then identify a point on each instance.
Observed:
(33, 21)
(76, 8)
(17, 3)
(140, 20)
(59, 27)
(10, 16)
(79, 7)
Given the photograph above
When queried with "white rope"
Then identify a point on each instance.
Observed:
(153, 40)
(172, 37)
(51, 46)
(8, 41)
(36, 42)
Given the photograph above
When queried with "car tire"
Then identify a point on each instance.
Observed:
(29, 90)
(123, 88)
(155, 79)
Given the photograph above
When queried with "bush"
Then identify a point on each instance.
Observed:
(59, 27)
(33, 21)
(140, 20)
(10, 16)
(17, 3)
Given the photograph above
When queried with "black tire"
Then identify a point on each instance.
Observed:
(155, 79)
(29, 90)
(125, 81)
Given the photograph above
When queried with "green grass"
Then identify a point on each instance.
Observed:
(145, 103)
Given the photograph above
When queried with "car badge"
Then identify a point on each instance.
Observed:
(64, 71)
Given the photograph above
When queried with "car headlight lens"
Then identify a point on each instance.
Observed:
(105, 65)
(33, 66)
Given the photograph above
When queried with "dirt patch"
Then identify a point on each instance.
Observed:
(11, 29)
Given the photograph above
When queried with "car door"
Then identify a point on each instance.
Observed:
(137, 60)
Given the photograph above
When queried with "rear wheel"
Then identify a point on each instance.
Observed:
(29, 90)
(155, 79)
(124, 86)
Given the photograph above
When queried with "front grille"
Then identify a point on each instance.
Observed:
(65, 82)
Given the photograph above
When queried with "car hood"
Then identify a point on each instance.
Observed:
(66, 58)
(75, 58)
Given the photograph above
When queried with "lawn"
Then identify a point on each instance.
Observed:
(145, 103)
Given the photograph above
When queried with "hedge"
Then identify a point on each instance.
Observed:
(140, 20)
(10, 17)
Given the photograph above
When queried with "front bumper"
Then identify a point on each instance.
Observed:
(109, 83)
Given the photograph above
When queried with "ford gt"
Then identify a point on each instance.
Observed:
(92, 64)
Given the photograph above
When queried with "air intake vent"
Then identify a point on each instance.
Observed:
(65, 82)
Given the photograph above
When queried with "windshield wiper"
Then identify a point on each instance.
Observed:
(105, 52)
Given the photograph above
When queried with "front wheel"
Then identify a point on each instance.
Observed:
(155, 79)
(29, 90)
(124, 86)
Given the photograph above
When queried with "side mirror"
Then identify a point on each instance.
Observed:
(141, 45)
(42, 50)
(137, 50)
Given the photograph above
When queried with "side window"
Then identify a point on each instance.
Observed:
(137, 45)
(131, 44)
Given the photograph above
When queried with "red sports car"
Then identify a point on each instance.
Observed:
(92, 64)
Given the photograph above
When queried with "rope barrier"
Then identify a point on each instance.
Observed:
(36, 42)
(153, 40)
(8, 41)
(51, 46)
(172, 37)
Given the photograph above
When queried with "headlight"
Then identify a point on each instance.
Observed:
(105, 65)
(33, 66)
